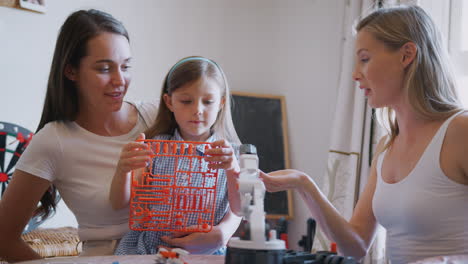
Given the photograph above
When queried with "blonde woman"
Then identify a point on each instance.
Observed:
(418, 184)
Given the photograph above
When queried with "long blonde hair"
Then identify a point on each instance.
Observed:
(185, 71)
(429, 82)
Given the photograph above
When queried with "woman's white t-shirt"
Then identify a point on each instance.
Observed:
(81, 165)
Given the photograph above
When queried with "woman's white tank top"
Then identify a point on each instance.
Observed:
(426, 213)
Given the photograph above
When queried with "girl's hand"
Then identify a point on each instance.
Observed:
(134, 155)
(196, 242)
(282, 180)
(221, 156)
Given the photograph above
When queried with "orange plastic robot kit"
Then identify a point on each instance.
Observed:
(163, 198)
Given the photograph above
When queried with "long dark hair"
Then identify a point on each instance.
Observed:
(61, 100)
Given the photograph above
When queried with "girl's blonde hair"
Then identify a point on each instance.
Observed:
(185, 71)
(429, 83)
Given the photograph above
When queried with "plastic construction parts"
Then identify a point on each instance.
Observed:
(171, 256)
(176, 191)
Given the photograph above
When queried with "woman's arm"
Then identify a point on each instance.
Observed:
(16, 208)
(119, 194)
(134, 155)
(354, 237)
(454, 153)
(349, 236)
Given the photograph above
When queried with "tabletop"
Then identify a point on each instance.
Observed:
(128, 259)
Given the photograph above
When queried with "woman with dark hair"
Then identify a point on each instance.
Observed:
(84, 125)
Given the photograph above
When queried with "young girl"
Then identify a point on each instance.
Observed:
(194, 106)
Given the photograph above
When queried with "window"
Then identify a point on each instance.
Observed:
(451, 16)
(458, 45)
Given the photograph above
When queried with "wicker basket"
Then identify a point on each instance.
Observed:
(54, 242)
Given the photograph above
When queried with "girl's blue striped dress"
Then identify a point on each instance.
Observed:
(147, 242)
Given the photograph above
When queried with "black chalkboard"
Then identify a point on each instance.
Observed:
(261, 120)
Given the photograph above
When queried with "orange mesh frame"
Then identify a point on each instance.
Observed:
(178, 193)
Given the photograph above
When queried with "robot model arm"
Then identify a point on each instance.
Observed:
(252, 193)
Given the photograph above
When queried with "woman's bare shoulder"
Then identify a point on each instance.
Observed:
(457, 130)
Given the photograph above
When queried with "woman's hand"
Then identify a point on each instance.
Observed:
(134, 155)
(221, 156)
(282, 180)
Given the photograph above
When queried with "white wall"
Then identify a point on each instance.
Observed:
(289, 48)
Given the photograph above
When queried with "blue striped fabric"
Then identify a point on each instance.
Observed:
(147, 242)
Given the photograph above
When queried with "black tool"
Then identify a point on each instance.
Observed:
(321, 257)
(307, 241)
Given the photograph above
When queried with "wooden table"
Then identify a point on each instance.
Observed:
(138, 259)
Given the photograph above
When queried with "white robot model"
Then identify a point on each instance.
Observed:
(252, 193)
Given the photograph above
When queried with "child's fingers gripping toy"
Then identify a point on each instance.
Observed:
(176, 191)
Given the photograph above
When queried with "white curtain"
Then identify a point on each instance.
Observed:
(351, 138)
